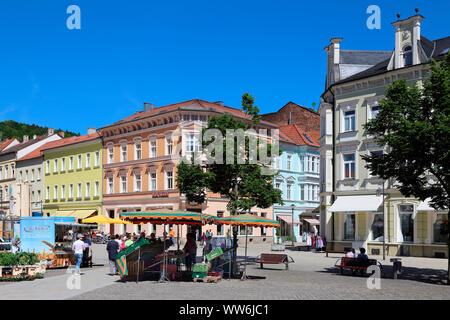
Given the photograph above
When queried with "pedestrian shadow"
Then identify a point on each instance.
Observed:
(424, 275)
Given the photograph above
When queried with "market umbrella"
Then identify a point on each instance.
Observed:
(119, 221)
(99, 219)
(247, 220)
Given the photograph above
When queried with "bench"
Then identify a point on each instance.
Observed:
(333, 251)
(274, 258)
(355, 264)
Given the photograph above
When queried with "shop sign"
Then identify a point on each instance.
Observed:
(160, 195)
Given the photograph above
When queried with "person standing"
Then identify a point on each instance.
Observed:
(78, 248)
(129, 242)
(171, 236)
(190, 251)
(112, 247)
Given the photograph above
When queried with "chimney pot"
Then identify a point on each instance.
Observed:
(62, 134)
(25, 138)
(34, 137)
(148, 107)
(91, 130)
(50, 131)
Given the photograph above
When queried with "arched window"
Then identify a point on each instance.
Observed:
(407, 56)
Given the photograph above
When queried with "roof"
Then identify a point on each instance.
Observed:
(71, 140)
(24, 144)
(298, 136)
(35, 153)
(363, 57)
(6, 142)
(290, 103)
(433, 49)
(182, 105)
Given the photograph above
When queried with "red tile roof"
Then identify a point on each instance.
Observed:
(175, 106)
(6, 143)
(71, 140)
(298, 136)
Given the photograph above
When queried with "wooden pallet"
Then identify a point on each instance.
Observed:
(208, 279)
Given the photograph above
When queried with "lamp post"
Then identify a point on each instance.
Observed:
(292, 224)
(381, 191)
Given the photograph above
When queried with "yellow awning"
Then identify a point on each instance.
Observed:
(79, 214)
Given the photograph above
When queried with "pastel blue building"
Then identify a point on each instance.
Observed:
(298, 178)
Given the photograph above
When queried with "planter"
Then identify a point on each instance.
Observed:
(16, 271)
(278, 247)
(31, 270)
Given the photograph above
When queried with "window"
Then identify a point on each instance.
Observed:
(406, 223)
(6, 193)
(263, 230)
(289, 162)
(203, 118)
(1, 174)
(32, 175)
(70, 191)
(97, 159)
(288, 191)
(55, 192)
(374, 111)
(39, 195)
(79, 164)
(13, 171)
(169, 175)
(169, 146)
(349, 227)
(220, 230)
(79, 191)
(153, 149)
(123, 184)
(440, 228)
(186, 118)
(313, 164)
(407, 56)
(47, 193)
(377, 227)
(63, 164)
(88, 189)
(63, 191)
(110, 185)
(349, 166)
(6, 172)
(349, 120)
(47, 167)
(55, 166)
(138, 151)
(137, 182)
(88, 160)
(123, 154)
(242, 230)
(96, 189)
(194, 118)
(39, 174)
(152, 181)
(192, 143)
(26, 176)
(70, 163)
(302, 192)
(110, 154)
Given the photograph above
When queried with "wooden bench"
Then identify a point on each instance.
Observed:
(355, 264)
(274, 258)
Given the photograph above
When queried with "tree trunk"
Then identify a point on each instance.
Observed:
(448, 248)
(235, 246)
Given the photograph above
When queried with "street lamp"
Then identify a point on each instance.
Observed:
(381, 192)
(292, 224)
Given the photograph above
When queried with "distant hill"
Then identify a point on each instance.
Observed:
(12, 129)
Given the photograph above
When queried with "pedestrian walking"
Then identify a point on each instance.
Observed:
(78, 248)
(112, 247)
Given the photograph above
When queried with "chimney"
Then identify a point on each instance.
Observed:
(25, 139)
(148, 107)
(333, 58)
(61, 134)
(34, 137)
(219, 103)
(50, 131)
(91, 130)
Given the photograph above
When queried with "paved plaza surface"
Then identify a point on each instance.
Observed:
(312, 276)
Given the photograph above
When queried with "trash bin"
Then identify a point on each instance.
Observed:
(397, 266)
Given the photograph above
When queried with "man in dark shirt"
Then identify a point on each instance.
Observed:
(112, 247)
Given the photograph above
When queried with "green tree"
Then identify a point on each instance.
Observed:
(246, 185)
(414, 124)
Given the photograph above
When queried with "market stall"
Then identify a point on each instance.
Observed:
(170, 260)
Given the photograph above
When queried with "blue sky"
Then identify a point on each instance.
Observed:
(162, 52)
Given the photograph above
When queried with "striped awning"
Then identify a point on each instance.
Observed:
(168, 217)
(249, 220)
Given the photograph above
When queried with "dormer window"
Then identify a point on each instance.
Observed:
(407, 56)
